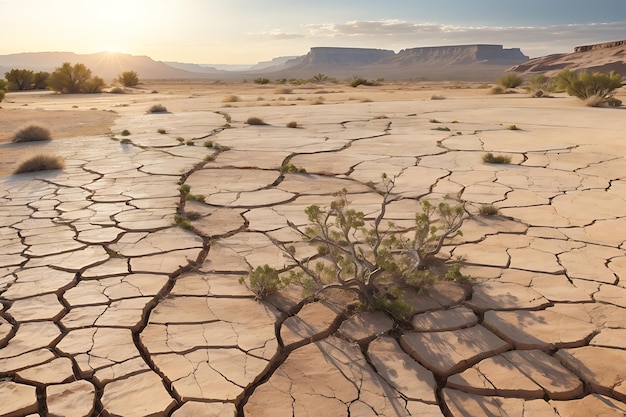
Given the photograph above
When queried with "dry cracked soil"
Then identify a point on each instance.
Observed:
(108, 308)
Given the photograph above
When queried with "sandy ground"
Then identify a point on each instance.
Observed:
(71, 115)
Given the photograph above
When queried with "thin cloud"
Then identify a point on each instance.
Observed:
(278, 35)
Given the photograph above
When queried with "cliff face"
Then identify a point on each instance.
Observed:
(602, 57)
(597, 46)
(343, 57)
(459, 55)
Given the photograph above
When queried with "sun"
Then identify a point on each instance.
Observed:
(112, 49)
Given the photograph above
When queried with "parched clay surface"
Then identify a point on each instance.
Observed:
(109, 308)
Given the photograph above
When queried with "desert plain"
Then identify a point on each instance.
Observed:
(108, 308)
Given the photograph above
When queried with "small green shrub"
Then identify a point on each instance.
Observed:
(193, 215)
(513, 127)
(359, 81)
(437, 97)
(442, 128)
(488, 210)
(496, 90)
(263, 281)
(125, 132)
(208, 144)
(434, 121)
(292, 124)
(190, 142)
(261, 80)
(185, 188)
(181, 222)
(2, 94)
(157, 108)
(595, 89)
(128, 78)
(40, 162)
(291, 168)
(195, 197)
(542, 83)
(490, 158)
(117, 90)
(509, 81)
(31, 133)
(454, 274)
(319, 77)
(255, 121)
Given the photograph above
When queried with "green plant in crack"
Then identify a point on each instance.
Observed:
(291, 168)
(182, 222)
(263, 281)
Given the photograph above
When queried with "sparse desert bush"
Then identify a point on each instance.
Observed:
(261, 80)
(437, 97)
(117, 90)
(255, 121)
(31, 133)
(263, 281)
(490, 158)
(488, 210)
(230, 99)
(377, 260)
(319, 77)
(208, 144)
(161, 131)
(284, 91)
(157, 108)
(496, 90)
(190, 142)
(293, 124)
(509, 81)
(434, 121)
(73, 79)
(540, 85)
(442, 128)
(2, 94)
(513, 127)
(595, 89)
(40, 162)
(23, 79)
(128, 78)
(125, 132)
(357, 81)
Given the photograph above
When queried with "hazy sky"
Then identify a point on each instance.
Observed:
(248, 31)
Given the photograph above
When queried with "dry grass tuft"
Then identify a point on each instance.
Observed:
(157, 108)
(32, 133)
(255, 121)
(40, 162)
(230, 99)
(490, 158)
(292, 124)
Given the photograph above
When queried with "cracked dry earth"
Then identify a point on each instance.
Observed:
(108, 308)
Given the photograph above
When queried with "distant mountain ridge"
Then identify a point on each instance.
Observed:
(458, 62)
(601, 57)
